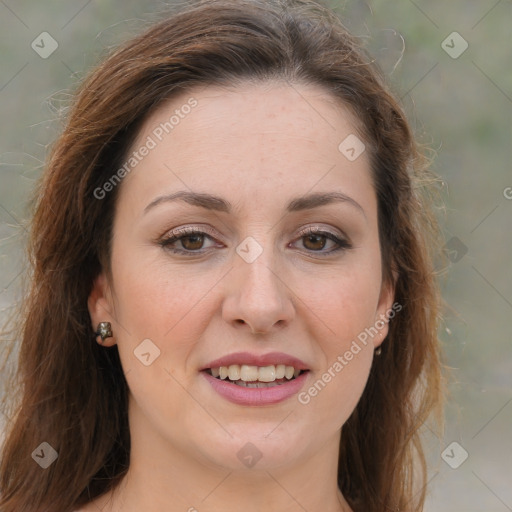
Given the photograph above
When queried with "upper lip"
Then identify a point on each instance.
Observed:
(271, 358)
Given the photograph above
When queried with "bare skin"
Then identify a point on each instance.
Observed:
(258, 147)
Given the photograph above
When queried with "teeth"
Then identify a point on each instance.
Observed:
(248, 373)
(267, 373)
(256, 384)
(280, 371)
(234, 372)
(288, 372)
(255, 375)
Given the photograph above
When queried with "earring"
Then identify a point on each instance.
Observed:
(378, 351)
(104, 331)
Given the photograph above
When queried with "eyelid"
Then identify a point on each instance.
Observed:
(172, 235)
(341, 240)
(212, 232)
(191, 229)
(320, 229)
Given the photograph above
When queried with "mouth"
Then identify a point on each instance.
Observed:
(250, 379)
(250, 376)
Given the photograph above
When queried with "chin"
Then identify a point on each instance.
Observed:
(258, 447)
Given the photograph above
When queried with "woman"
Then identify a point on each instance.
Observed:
(233, 300)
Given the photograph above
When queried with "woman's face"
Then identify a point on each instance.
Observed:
(248, 169)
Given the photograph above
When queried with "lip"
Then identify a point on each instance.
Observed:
(256, 396)
(247, 358)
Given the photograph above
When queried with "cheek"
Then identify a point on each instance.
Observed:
(154, 294)
(346, 311)
(174, 303)
(331, 397)
(167, 306)
(345, 301)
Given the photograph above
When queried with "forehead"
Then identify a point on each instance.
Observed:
(261, 139)
(295, 110)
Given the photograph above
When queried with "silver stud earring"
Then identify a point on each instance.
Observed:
(378, 351)
(104, 331)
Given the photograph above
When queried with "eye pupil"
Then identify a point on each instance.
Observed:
(198, 238)
(314, 237)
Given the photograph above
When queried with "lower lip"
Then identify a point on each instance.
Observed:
(256, 396)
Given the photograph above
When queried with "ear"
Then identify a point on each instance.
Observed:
(386, 309)
(101, 307)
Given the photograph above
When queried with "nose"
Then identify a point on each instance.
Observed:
(258, 296)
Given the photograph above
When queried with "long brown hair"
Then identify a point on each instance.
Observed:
(72, 394)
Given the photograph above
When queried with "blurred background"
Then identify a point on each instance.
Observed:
(451, 65)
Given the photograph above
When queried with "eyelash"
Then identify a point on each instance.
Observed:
(179, 234)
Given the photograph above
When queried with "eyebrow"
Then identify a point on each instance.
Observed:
(211, 202)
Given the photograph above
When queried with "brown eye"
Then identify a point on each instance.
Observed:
(190, 239)
(192, 242)
(316, 242)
